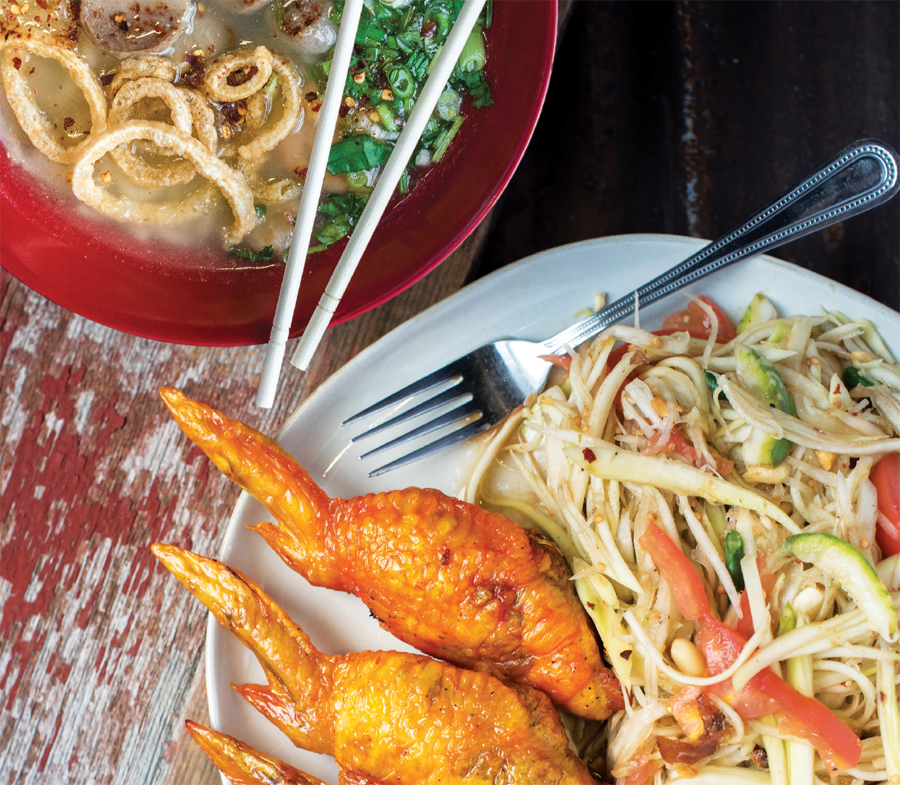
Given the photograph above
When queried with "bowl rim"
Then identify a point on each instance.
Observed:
(63, 261)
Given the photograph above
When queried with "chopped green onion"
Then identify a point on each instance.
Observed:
(473, 56)
(387, 116)
(445, 137)
(439, 15)
(271, 86)
(402, 82)
(369, 31)
(448, 104)
(357, 180)
(391, 51)
(260, 211)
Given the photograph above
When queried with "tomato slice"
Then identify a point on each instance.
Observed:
(698, 323)
(694, 321)
(679, 573)
(675, 443)
(641, 770)
(563, 361)
(837, 745)
(886, 478)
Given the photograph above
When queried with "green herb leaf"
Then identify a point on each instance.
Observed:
(357, 154)
(253, 256)
(734, 552)
(853, 377)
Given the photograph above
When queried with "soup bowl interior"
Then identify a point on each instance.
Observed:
(168, 290)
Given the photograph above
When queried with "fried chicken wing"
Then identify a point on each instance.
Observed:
(386, 717)
(244, 765)
(412, 554)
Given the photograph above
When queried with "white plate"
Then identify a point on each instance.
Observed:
(532, 299)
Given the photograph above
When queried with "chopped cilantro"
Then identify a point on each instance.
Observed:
(253, 256)
(395, 48)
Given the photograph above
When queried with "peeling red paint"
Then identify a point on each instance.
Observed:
(79, 508)
(49, 745)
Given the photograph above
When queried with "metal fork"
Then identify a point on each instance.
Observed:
(490, 382)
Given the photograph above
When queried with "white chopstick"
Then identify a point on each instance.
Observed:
(309, 203)
(387, 182)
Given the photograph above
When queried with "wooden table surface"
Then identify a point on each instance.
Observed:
(665, 117)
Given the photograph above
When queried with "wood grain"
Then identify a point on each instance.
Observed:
(685, 116)
(102, 655)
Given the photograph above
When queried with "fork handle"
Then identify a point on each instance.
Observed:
(859, 178)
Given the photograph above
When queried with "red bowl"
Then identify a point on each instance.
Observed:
(152, 290)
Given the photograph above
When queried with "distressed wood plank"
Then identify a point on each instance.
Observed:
(101, 654)
(685, 117)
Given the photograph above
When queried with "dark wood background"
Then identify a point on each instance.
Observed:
(684, 118)
(666, 117)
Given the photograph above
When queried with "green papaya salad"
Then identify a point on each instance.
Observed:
(729, 500)
(396, 44)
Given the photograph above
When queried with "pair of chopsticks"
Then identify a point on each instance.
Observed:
(378, 200)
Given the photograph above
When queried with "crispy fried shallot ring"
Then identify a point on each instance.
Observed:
(187, 109)
(203, 118)
(270, 191)
(291, 113)
(218, 73)
(230, 181)
(148, 66)
(143, 173)
(21, 99)
(258, 106)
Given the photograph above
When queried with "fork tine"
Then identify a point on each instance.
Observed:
(447, 396)
(446, 374)
(448, 418)
(466, 432)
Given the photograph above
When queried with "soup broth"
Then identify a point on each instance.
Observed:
(254, 92)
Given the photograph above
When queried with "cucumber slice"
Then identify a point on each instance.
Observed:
(759, 310)
(762, 379)
(763, 449)
(766, 384)
(852, 572)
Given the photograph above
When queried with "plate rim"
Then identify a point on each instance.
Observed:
(515, 269)
(433, 315)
